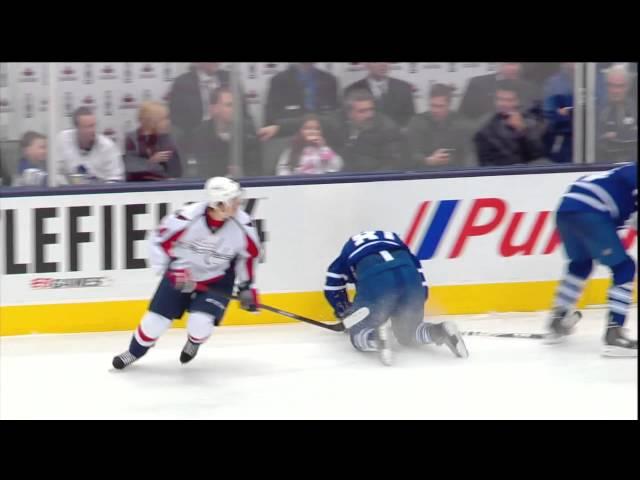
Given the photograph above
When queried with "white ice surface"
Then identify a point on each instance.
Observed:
(293, 371)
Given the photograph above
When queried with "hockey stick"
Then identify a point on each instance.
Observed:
(335, 327)
(537, 336)
(573, 318)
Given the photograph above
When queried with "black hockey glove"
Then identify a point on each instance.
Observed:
(248, 297)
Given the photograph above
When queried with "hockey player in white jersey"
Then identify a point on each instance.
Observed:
(200, 249)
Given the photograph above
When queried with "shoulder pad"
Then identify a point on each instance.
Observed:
(244, 218)
(189, 212)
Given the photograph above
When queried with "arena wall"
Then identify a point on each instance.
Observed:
(76, 260)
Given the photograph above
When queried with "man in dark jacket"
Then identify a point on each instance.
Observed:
(509, 137)
(295, 92)
(366, 140)
(480, 93)
(394, 97)
(212, 141)
(438, 138)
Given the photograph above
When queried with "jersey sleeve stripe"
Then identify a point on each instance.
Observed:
(591, 201)
(336, 275)
(167, 245)
(252, 250)
(368, 244)
(602, 194)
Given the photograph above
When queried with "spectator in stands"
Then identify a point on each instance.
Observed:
(295, 92)
(438, 137)
(510, 136)
(5, 174)
(34, 154)
(366, 140)
(617, 123)
(538, 73)
(480, 94)
(189, 100)
(83, 152)
(394, 97)
(212, 140)
(150, 152)
(558, 112)
(601, 81)
(309, 152)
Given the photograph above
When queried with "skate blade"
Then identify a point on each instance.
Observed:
(611, 351)
(386, 357)
(384, 336)
(457, 345)
(554, 339)
(571, 320)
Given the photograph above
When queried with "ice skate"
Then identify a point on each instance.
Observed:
(447, 333)
(561, 325)
(123, 360)
(617, 344)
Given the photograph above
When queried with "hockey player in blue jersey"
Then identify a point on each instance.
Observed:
(391, 291)
(589, 215)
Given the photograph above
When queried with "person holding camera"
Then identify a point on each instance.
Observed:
(438, 137)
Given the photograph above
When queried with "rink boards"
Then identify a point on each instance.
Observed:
(78, 262)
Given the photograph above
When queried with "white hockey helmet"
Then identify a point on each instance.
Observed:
(221, 189)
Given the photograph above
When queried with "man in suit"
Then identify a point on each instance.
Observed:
(212, 140)
(478, 99)
(366, 140)
(295, 92)
(189, 100)
(394, 97)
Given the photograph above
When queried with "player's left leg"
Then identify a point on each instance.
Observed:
(606, 243)
(409, 326)
(199, 329)
(616, 343)
(205, 311)
(598, 233)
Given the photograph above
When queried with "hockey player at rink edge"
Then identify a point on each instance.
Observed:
(590, 213)
(201, 249)
(391, 291)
